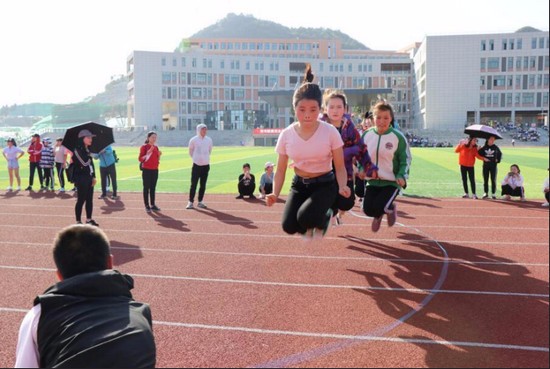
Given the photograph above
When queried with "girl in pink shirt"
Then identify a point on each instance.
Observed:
(313, 146)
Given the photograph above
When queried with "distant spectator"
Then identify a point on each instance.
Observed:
(89, 319)
(107, 169)
(12, 154)
(47, 163)
(61, 154)
(247, 183)
(492, 157)
(35, 153)
(200, 149)
(266, 181)
(512, 185)
(468, 152)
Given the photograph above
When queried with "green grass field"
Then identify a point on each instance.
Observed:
(434, 171)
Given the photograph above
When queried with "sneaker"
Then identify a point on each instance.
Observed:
(239, 197)
(61, 190)
(494, 197)
(43, 188)
(189, 205)
(376, 222)
(485, 196)
(474, 197)
(114, 197)
(148, 209)
(202, 205)
(155, 208)
(392, 217)
(28, 188)
(262, 196)
(78, 222)
(92, 223)
(101, 197)
(545, 205)
(74, 189)
(507, 197)
(18, 188)
(9, 189)
(465, 196)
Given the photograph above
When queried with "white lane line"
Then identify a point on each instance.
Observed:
(294, 256)
(328, 335)
(304, 285)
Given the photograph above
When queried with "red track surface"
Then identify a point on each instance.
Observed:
(456, 283)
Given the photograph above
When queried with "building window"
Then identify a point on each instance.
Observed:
(511, 44)
(163, 62)
(493, 63)
(491, 45)
(520, 44)
(483, 45)
(534, 43)
(504, 44)
(483, 65)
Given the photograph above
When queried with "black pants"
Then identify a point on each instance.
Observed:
(246, 190)
(150, 178)
(108, 173)
(48, 177)
(198, 173)
(360, 187)
(60, 176)
(508, 190)
(33, 167)
(85, 193)
(268, 188)
(468, 172)
(307, 206)
(379, 200)
(547, 196)
(344, 204)
(490, 170)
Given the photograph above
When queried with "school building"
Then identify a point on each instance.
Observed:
(443, 82)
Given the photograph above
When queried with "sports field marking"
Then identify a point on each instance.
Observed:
(292, 256)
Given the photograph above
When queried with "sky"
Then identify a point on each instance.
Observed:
(63, 51)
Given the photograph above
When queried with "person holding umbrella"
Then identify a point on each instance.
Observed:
(84, 177)
(492, 157)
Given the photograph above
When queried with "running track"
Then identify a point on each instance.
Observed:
(455, 283)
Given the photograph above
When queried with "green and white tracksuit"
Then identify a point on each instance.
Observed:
(391, 154)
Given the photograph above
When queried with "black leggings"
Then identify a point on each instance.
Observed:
(85, 193)
(198, 173)
(490, 170)
(106, 174)
(60, 171)
(379, 200)
(468, 172)
(150, 178)
(342, 203)
(307, 206)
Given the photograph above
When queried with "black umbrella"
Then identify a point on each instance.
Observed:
(482, 131)
(103, 136)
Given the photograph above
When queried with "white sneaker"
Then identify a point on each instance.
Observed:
(18, 188)
(61, 189)
(202, 205)
(190, 205)
(262, 196)
(545, 205)
(9, 189)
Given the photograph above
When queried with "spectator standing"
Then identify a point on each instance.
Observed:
(89, 319)
(61, 154)
(266, 181)
(47, 163)
(107, 169)
(512, 184)
(468, 152)
(492, 157)
(247, 183)
(84, 177)
(35, 154)
(200, 149)
(12, 154)
(149, 157)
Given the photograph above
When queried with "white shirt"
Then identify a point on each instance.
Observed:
(200, 149)
(12, 152)
(27, 355)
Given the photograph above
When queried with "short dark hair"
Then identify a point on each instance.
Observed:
(81, 249)
(246, 165)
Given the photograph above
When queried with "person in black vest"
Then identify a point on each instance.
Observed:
(247, 183)
(88, 319)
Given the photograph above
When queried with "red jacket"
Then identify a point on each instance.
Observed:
(35, 152)
(468, 155)
(152, 162)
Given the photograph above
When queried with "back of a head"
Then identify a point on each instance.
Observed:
(81, 249)
(308, 90)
